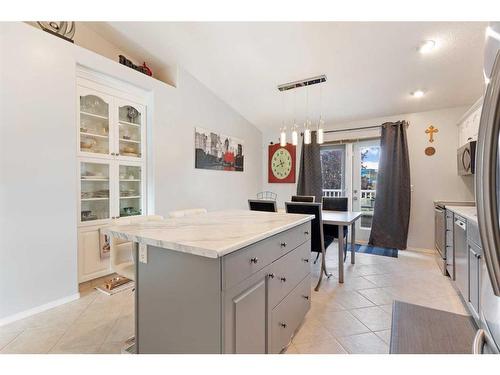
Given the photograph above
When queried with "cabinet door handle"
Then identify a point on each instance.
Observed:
(254, 260)
(283, 244)
(283, 325)
(305, 260)
(283, 279)
(306, 232)
(271, 275)
(305, 297)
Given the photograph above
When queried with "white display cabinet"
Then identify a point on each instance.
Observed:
(111, 149)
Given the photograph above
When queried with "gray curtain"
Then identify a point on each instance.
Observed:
(310, 178)
(391, 215)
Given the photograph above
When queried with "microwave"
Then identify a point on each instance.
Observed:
(466, 159)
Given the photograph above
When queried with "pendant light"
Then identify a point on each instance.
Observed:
(283, 127)
(308, 125)
(307, 129)
(295, 134)
(320, 133)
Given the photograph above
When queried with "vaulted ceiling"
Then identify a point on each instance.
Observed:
(371, 66)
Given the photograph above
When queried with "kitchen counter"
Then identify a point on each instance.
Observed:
(233, 281)
(467, 212)
(211, 235)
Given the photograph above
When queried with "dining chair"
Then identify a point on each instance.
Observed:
(187, 213)
(336, 204)
(262, 205)
(319, 240)
(303, 198)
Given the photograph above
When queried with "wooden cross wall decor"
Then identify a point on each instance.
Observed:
(431, 130)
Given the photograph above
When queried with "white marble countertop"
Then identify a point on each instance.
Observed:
(467, 212)
(211, 235)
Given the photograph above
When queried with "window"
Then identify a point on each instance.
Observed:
(333, 170)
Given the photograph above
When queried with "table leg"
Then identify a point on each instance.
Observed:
(322, 269)
(353, 243)
(341, 253)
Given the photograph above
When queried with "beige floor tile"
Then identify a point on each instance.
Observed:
(330, 346)
(8, 336)
(343, 323)
(373, 317)
(111, 348)
(292, 349)
(122, 330)
(366, 343)
(83, 338)
(310, 331)
(384, 335)
(387, 308)
(352, 300)
(34, 341)
(377, 296)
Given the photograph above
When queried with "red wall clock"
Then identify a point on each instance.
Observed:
(281, 163)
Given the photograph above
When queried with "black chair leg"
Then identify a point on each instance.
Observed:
(345, 249)
(317, 257)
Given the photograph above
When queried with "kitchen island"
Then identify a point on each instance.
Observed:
(224, 282)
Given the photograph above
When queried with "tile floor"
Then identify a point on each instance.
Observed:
(351, 318)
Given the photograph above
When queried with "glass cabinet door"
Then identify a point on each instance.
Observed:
(94, 123)
(131, 195)
(94, 191)
(130, 129)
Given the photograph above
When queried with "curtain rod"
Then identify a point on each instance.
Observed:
(360, 128)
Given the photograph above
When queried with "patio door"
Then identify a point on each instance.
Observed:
(365, 163)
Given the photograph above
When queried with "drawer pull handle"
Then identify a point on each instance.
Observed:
(283, 244)
(305, 260)
(254, 260)
(306, 297)
(306, 232)
(271, 275)
(283, 279)
(283, 325)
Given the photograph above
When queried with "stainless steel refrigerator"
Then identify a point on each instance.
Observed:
(487, 339)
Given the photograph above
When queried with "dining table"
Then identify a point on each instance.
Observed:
(341, 219)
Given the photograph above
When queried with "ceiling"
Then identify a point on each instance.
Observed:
(371, 66)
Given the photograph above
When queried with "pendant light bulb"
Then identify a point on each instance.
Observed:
(283, 137)
(295, 136)
(307, 136)
(320, 137)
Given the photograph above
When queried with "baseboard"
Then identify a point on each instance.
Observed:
(38, 309)
(421, 250)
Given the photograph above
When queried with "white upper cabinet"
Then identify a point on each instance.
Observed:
(110, 126)
(468, 126)
(94, 122)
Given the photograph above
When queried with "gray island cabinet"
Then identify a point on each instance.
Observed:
(224, 282)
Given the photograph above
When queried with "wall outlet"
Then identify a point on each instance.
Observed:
(143, 253)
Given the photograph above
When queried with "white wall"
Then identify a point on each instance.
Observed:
(38, 218)
(433, 178)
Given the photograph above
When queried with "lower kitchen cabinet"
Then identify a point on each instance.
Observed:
(245, 312)
(474, 263)
(91, 264)
(250, 301)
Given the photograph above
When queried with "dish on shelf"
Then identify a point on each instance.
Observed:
(135, 155)
(88, 143)
(130, 211)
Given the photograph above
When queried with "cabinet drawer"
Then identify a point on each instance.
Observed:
(473, 233)
(241, 264)
(287, 272)
(289, 314)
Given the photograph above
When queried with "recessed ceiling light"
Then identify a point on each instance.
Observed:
(427, 46)
(417, 94)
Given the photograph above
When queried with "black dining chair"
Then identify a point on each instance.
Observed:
(336, 204)
(303, 198)
(262, 205)
(319, 240)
